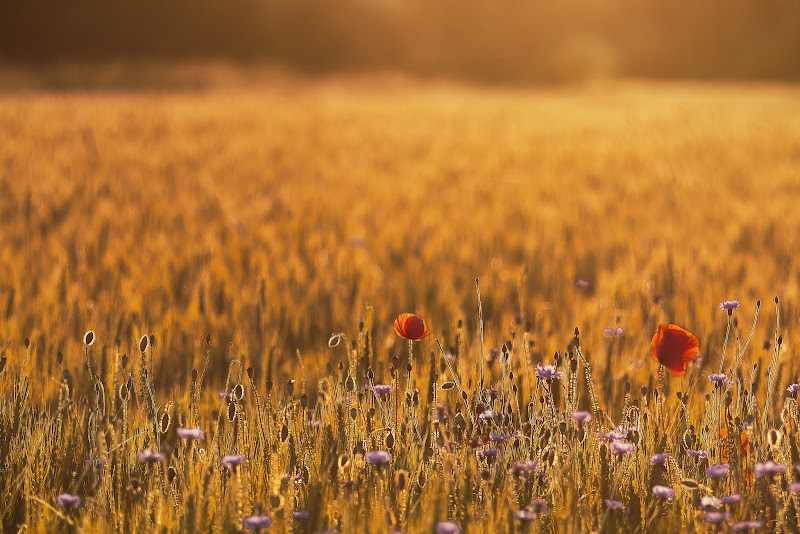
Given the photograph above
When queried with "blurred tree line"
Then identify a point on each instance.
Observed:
(515, 41)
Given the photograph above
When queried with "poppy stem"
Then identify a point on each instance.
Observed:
(725, 344)
(480, 322)
(410, 362)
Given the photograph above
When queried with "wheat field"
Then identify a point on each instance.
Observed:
(240, 256)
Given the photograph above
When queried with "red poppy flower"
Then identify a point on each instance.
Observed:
(411, 326)
(674, 347)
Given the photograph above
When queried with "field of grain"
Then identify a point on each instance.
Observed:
(263, 240)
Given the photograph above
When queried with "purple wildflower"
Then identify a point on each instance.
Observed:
(581, 283)
(523, 468)
(717, 378)
(614, 505)
(793, 389)
(524, 515)
(582, 417)
(382, 389)
(769, 468)
(377, 457)
(707, 501)
(717, 517)
(608, 331)
(447, 527)
(729, 305)
(665, 492)
(494, 436)
(302, 515)
(67, 500)
(150, 456)
(621, 447)
(96, 462)
(612, 435)
(733, 498)
(232, 460)
(659, 459)
(794, 487)
(747, 525)
(487, 453)
(548, 372)
(191, 433)
(487, 415)
(697, 453)
(256, 522)
(718, 471)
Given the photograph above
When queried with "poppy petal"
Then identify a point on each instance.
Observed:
(411, 326)
(400, 323)
(416, 328)
(674, 347)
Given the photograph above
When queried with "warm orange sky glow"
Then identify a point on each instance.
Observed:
(510, 41)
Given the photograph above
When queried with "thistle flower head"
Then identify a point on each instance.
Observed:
(768, 468)
(659, 459)
(67, 500)
(548, 372)
(717, 378)
(232, 460)
(717, 517)
(382, 389)
(487, 453)
(256, 522)
(621, 447)
(447, 527)
(718, 471)
(665, 492)
(582, 416)
(377, 457)
(524, 516)
(191, 433)
(150, 456)
(733, 498)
